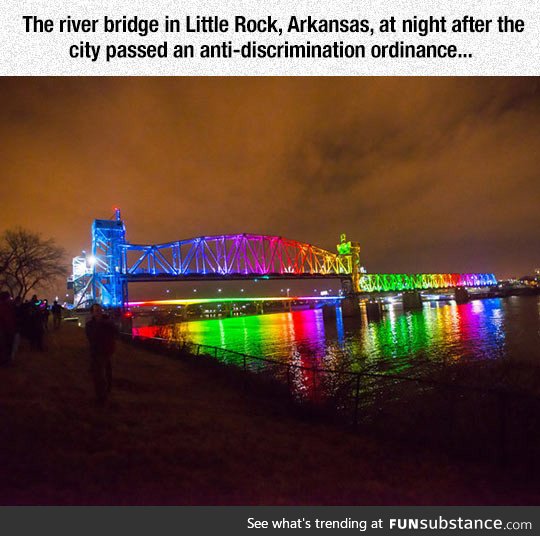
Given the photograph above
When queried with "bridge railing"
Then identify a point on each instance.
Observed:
(472, 422)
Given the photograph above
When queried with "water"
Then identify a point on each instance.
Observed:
(441, 334)
(475, 366)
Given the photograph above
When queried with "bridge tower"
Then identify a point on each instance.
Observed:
(350, 306)
(351, 250)
(108, 260)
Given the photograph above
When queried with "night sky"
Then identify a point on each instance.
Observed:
(428, 174)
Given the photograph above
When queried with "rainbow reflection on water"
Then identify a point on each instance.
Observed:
(438, 334)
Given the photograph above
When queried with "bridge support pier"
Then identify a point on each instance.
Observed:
(374, 310)
(350, 308)
(329, 312)
(461, 295)
(412, 300)
(259, 308)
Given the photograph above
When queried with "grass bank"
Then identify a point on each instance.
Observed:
(179, 432)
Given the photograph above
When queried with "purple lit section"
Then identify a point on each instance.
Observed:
(240, 254)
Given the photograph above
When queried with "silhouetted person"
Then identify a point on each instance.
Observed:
(35, 324)
(101, 333)
(8, 327)
(44, 306)
(56, 310)
(19, 318)
(25, 314)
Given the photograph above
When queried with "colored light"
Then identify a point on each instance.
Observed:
(403, 282)
(235, 256)
(399, 341)
(344, 248)
(198, 301)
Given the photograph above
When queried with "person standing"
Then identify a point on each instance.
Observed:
(56, 310)
(8, 328)
(19, 319)
(101, 333)
(45, 314)
(35, 324)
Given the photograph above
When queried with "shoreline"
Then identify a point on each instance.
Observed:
(176, 432)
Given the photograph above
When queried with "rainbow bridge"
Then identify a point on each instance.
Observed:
(104, 275)
(404, 282)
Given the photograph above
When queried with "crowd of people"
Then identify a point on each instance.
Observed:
(25, 319)
(30, 320)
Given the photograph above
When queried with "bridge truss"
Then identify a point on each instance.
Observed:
(234, 255)
(404, 282)
(104, 275)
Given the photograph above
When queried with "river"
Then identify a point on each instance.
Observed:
(400, 343)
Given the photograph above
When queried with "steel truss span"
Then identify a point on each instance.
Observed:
(404, 282)
(104, 275)
(232, 255)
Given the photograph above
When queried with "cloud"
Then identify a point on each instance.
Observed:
(426, 173)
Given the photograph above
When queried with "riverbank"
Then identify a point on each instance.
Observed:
(179, 432)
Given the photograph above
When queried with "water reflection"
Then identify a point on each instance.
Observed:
(401, 341)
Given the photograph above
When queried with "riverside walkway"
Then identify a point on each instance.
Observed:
(180, 432)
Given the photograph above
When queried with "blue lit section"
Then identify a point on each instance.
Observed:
(108, 285)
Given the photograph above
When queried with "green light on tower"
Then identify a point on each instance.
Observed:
(344, 247)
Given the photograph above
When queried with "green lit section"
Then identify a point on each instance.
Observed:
(403, 282)
(344, 247)
(400, 339)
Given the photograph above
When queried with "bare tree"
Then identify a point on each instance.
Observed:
(28, 262)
